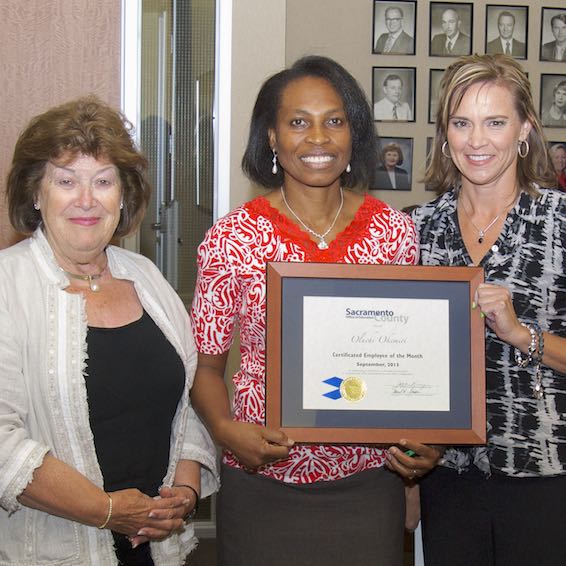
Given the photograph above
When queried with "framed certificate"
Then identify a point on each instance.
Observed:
(375, 353)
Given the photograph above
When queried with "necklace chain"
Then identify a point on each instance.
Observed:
(322, 244)
(482, 231)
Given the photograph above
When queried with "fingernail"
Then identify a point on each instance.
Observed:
(134, 545)
(186, 501)
(482, 314)
(474, 305)
(402, 442)
(151, 515)
(141, 533)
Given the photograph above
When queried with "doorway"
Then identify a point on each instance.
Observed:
(175, 130)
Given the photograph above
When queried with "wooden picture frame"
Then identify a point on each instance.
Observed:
(340, 413)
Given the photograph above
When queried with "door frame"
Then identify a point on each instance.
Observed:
(130, 93)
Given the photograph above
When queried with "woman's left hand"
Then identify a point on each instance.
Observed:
(496, 304)
(165, 515)
(424, 458)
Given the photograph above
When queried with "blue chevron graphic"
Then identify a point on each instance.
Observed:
(334, 382)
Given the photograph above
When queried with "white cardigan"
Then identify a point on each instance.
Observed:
(43, 403)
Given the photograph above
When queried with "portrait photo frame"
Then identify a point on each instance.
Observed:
(342, 407)
(506, 30)
(401, 174)
(387, 83)
(553, 100)
(557, 151)
(552, 34)
(394, 27)
(451, 28)
(429, 142)
(434, 78)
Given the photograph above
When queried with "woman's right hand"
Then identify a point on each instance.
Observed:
(252, 444)
(132, 511)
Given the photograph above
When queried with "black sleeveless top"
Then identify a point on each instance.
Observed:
(135, 380)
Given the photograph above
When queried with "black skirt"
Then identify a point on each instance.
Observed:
(358, 521)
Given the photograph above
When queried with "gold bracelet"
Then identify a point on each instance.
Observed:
(103, 526)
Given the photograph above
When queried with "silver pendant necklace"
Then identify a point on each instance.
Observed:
(482, 232)
(322, 244)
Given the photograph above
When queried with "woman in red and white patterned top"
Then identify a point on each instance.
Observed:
(311, 135)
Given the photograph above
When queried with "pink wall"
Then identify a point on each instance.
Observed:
(52, 51)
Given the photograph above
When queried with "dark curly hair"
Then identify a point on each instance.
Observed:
(256, 162)
(83, 126)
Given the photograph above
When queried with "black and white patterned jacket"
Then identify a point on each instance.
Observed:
(526, 437)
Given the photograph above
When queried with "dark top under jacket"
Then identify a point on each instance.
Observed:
(134, 383)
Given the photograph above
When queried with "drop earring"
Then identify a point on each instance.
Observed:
(348, 168)
(274, 169)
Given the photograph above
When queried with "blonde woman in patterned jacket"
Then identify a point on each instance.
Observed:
(502, 504)
(311, 138)
(101, 456)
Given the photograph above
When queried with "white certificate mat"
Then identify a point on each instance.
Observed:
(378, 354)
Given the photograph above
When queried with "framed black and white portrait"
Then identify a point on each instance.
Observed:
(553, 35)
(429, 140)
(435, 76)
(450, 29)
(557, 150)
(394, 31)
(553, 100)
(395, 165)
(506, 30)
(393, 94)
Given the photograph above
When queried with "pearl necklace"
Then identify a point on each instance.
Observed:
(482, 232)
(93, 285)
(322, 244)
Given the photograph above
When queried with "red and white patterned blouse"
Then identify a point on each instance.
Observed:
(230, 290)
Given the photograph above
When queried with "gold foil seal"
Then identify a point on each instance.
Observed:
(353, 389)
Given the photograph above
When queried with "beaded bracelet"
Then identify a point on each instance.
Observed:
(524, 362)
(104, 525)
(540, 343)
(534, 356)
(538, 390)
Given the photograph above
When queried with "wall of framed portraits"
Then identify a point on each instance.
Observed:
(398, 51)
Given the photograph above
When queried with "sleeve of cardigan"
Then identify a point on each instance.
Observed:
(19, 454)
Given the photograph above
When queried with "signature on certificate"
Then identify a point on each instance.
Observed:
(412, 389)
